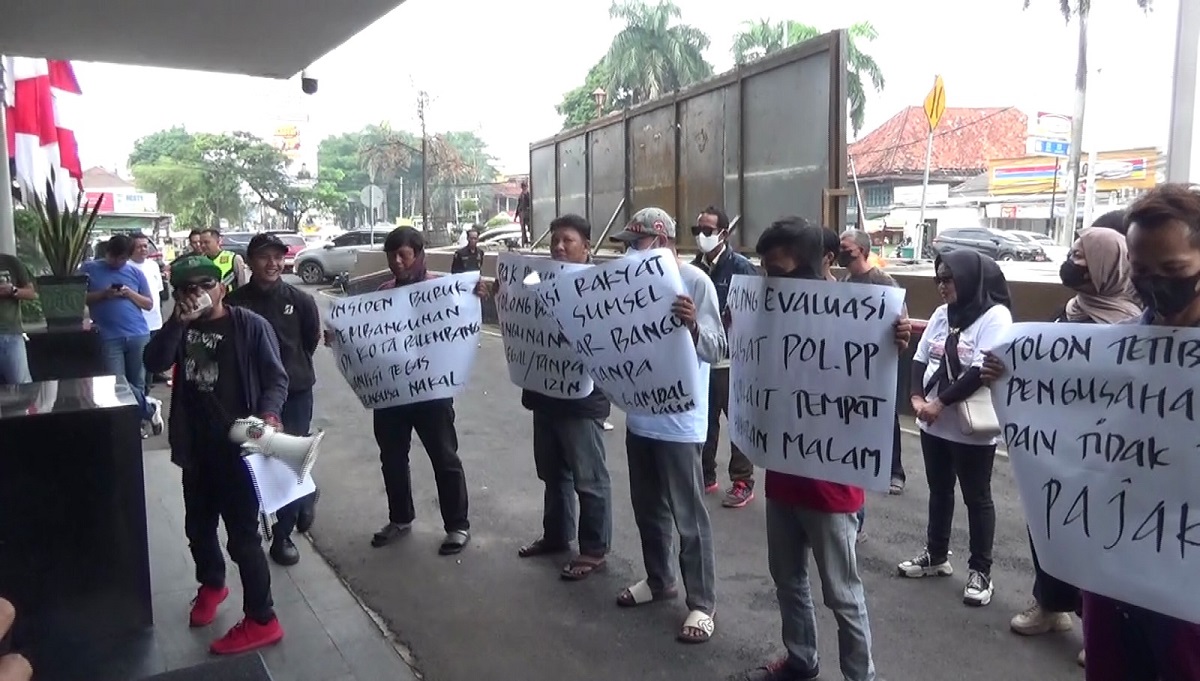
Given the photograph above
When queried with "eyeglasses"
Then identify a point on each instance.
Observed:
(697, 230)
(191, 286)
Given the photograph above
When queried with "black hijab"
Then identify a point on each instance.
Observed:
(978, 283)
(979, 286)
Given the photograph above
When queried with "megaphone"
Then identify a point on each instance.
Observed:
(256, 436)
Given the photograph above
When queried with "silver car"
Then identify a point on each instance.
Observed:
(322, 263)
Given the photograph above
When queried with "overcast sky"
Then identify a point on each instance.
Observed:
(499, 69)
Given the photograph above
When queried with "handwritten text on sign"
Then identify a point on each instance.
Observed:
(618, 318)
(539, 356)
(812, 382)
(410, 344)
(1100, 423)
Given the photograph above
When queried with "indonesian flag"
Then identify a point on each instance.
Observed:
(40, 98)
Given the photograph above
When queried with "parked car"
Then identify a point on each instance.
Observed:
(236, 242)
(295, 243)
(320, 264)
(505, 236)
(1054, 252)
(995, 243)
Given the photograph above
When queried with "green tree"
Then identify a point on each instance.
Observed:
(170, 164)
(760, 38)
(654, 53)
(578, 106)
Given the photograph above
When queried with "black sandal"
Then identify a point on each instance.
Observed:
(454, 542)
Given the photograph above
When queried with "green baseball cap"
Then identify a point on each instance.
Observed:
(191, 268)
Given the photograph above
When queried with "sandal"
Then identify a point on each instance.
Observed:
(540, 547)
(697, 628)
(582, 566)
(640, 594)
(454, 542)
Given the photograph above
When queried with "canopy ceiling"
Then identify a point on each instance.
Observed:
(268, 38)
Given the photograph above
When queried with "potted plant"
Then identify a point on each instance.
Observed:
(63, 235)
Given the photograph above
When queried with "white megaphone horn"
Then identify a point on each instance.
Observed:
(259, 437)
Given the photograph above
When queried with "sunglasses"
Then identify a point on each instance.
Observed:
(193, 286)
(697, 230)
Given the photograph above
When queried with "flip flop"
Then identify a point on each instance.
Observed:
(640, 594)
(540, 547)
(582, 566)
(697, 628)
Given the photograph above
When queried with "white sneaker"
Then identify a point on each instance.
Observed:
(608, 426)
(156, 419)
(978, 591)
(1037, 620)
(923, 566)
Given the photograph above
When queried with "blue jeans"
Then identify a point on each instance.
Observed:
(792, 533)
(568, 454)
(14, 364)
(296, 420)
(123, 357)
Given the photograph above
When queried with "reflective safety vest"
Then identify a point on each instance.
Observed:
(224, 262)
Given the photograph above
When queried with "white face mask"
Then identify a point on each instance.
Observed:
(706, 244)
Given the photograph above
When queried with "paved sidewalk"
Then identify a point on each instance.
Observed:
(330, 637)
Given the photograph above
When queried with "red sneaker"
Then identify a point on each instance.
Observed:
(248, 635)
(204, 605)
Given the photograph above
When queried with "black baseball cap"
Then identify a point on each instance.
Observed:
(261, 241)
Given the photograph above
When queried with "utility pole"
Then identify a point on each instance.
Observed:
(1066, 234)
(422, 101)
(1183, 100)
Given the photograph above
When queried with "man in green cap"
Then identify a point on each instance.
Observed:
(229, 368)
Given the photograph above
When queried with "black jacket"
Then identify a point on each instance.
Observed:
(467, 260)
(728, 264)
(263, 378)
(297, 323)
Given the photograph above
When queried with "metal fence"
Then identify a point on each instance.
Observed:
(764, 140)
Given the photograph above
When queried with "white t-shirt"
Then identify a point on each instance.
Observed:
(711, 345)
(984, 334)
(153, 274)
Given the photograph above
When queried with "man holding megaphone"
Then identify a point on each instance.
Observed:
(297, 323)
(229, 368)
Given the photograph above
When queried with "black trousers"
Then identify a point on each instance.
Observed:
(434, 423)
(1050, 592)
(897, 463)
(971, 466)
(296, 419)
(219, 488)
(741, 469)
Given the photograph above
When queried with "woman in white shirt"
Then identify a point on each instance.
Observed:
(945, 372)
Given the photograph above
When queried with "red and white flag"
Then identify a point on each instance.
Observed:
(40, 100)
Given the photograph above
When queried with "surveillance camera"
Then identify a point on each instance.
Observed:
(307, 83)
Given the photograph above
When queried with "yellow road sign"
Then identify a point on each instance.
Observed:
(935, 103)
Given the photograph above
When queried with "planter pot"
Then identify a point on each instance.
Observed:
(63, 300)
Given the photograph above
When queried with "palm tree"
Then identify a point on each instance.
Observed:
(759, 38)
(654, 54)
(1080, 9)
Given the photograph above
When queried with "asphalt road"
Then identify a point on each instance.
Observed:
(488, 614)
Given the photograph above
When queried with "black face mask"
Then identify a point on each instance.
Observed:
(1073, 275)
(844, 258)
(1167, 296)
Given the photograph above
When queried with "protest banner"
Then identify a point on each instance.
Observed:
(812, 378)
(410, 344)
(617, 316)
(539, 356)
(1100, 424)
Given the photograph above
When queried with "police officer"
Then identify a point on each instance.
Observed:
(297, 323)
(234, 272)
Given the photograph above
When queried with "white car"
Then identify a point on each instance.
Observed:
(1054, 252)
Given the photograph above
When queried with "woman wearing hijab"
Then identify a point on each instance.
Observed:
(946, 371)
(1097, 269)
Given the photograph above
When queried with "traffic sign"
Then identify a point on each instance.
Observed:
(935, 103)
(372, 196)
(1052, 147)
